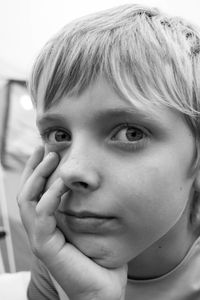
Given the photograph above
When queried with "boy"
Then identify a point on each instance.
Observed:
(111, 204)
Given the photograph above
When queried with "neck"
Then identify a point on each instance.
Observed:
(164, 255)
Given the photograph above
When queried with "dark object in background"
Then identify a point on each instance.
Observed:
(2, 233)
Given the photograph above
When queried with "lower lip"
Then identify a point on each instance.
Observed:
(90, 224)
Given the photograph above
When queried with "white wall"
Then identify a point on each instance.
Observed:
(25, 25)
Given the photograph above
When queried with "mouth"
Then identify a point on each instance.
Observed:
(88, 222)
(86, 214)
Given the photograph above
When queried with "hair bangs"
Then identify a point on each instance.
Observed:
(140, 68)
(145, 56)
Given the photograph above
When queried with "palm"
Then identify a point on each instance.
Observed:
(81, 277)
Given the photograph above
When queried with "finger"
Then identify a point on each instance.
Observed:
(51, 198)
(31, 164)
(27, 212)
(35, 184)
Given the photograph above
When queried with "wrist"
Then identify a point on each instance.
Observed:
(97, 297)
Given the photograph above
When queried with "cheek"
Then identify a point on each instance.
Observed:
(154, 192)
(152, 201)
(158, 182)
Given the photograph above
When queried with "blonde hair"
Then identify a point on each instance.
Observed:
(143, 54)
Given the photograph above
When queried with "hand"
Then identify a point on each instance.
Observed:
(80, 277)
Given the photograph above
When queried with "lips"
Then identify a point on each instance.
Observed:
(88, 222)
(85, 214)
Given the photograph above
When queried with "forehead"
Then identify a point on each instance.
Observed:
(99, 106)
(99, 103)
(99, 96)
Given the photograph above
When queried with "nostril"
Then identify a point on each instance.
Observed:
(81, 184)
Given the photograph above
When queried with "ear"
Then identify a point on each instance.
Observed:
(195, 204)
(197, 181)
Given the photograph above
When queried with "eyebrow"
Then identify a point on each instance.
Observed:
(103, 115)
(121, 112)
(50, 117)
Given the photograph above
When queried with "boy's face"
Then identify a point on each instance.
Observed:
(127, 170)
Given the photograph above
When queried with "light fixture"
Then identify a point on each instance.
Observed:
(25, 102)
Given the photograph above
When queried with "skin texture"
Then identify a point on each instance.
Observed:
(138, 182)
(132, 169)
(64, 261)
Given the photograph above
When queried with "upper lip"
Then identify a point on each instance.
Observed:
(84, 214)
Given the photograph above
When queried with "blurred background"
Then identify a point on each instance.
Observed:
(25, 25)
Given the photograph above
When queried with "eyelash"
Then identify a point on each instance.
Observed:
(126, 145)
(134, 145)
(46, 133)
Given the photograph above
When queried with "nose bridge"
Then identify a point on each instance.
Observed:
(79, 169)
(78, 154)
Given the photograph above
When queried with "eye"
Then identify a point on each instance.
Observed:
(55, 136)
(129, 134)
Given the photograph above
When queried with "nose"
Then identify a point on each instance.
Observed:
(79, 172)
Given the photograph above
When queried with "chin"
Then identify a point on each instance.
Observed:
(107, 251)
(100, 250)
(103, 257)
(109, 262)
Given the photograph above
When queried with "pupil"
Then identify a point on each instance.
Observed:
(133, 134)
(60, 136)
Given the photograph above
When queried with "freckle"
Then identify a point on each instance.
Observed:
(160, 247)
(181, 188)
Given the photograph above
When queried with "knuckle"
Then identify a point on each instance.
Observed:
(38, 212)
(35, 244)
(37, 247)
(29, 165)
(19, 199)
